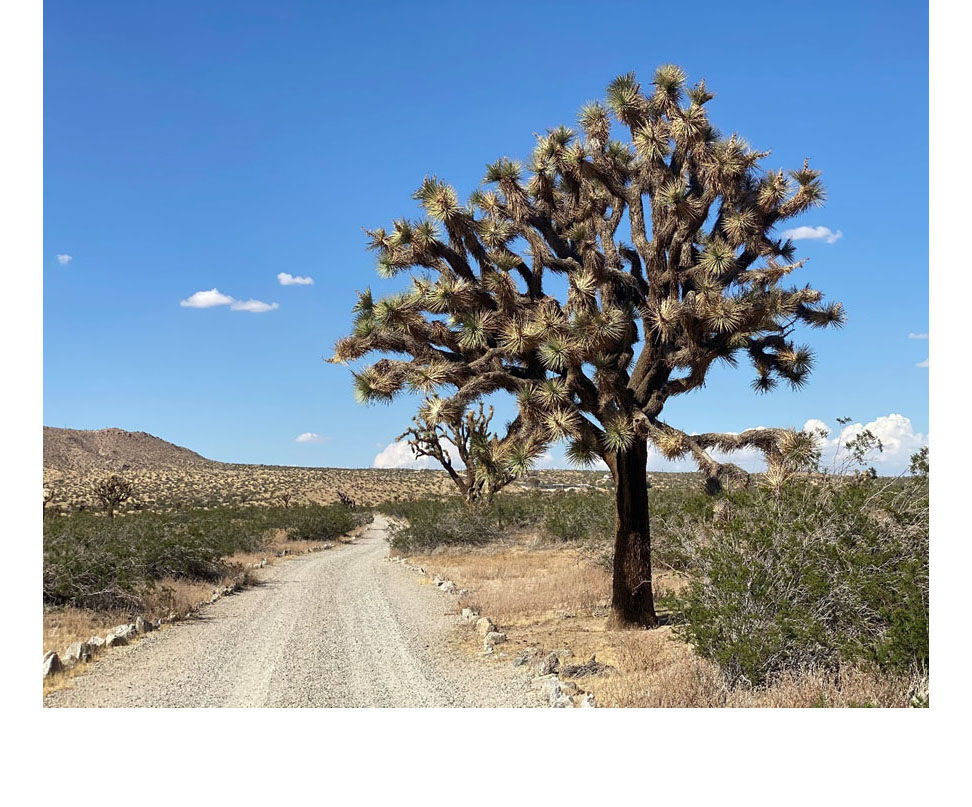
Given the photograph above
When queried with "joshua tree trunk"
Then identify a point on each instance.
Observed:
(632, 601)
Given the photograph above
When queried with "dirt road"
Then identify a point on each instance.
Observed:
(338, 628)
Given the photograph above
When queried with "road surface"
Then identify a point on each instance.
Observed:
(342, 628)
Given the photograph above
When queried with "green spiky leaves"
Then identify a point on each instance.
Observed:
(556, 354)
(717, 258)
(625, 99)
(670, 79)
(474, 331)
(619, 434)
(503, 170)
(561, 423)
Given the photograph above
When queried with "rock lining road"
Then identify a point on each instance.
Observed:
(341, 628)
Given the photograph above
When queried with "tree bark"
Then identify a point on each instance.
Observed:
(632, 600)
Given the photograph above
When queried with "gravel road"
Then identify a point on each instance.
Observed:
(343, 627)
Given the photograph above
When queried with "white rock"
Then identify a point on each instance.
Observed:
(468, 615)
(143, 625)
(52, 663)
(541, 681)
(587, 702)
(559, 692)
(95, 643)
(484, 625)
(120, 635)
(79, 651)
(448, 587)
(493, 638)
(128, 631)
(549, 664)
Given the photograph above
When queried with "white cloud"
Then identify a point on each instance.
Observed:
(253, 306)
(399, 455)
(917, 335)
(214, 297)
(896, 433)
(287, 279)
(64, 259)
(922, 363)
(207, 299)
(813, 233)
(310, 437)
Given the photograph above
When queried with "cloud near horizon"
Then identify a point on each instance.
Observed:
(287, 279)
(214, 297)
(824, 234)
(64, 259)
(895, 431)
(399, 455)
(918, 336)
(311, 437)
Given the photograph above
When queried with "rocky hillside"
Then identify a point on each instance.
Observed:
(114, 449)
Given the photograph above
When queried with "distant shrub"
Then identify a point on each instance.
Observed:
(577, 516)
(317, 523)
(434, 522)
(815, 576)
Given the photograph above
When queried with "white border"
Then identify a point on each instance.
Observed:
(849, 756)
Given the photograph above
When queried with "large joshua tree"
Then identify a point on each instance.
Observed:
(531, 290)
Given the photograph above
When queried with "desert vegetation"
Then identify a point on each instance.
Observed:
(101, 571)
(169, 489)
(813, 592)
(101, 563)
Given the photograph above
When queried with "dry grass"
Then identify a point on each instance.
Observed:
(519, 584)
(550, 598)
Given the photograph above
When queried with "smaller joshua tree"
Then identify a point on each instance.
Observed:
(491, 462)
(112, 492)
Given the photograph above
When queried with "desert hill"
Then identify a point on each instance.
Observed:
(115, 450)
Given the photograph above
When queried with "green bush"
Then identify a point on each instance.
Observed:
(818, 575)
(314, 523)
(577, 516)
(96, 562)
(434, 522)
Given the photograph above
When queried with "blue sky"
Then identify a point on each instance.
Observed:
(192, 146)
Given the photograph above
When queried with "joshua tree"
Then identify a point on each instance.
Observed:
(112, 492)
(347, 501)
(530, 290)
(490, 463)
(285, 497)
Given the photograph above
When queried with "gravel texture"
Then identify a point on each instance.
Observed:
(340, 628)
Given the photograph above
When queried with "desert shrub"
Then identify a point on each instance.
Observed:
(433, 522)
(577, 516)
(818, 575)
(580, 516)
(317, 523)
(96, 562)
